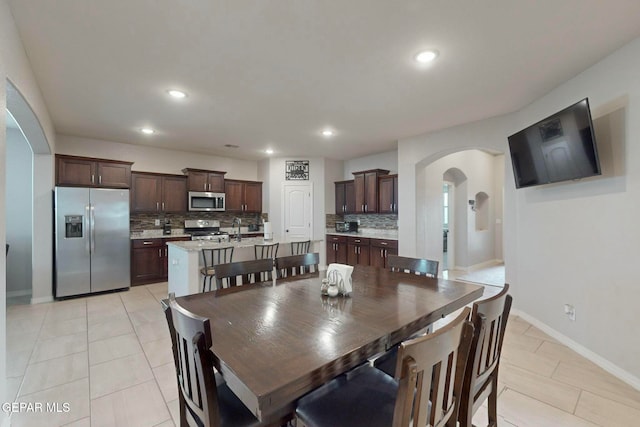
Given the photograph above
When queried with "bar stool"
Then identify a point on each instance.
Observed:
(266, 250)
(211, 258)
(299, 248)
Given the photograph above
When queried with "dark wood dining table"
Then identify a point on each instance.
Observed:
(274, 343)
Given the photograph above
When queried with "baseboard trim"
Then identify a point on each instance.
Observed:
(605, 364)
(19, 293)
(41, 300)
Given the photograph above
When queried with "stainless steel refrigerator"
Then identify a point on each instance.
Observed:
(92, 243)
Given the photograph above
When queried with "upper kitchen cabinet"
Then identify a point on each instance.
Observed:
(366, 190)
(204, 180)
(388, 194)
(90, 172)
(243, 196)
(345, 197)
(151, 192)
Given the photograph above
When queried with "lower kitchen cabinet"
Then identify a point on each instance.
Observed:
(358, 251)
(380, 250)
(150, 260)
(336, 249)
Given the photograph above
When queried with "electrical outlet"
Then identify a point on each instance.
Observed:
(157, 222)
(570, 311)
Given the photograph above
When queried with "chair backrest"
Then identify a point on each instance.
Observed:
(266, 250)
(422, 267)
(489, 317)
(191, 338)
(296, 265)
(299, 248)
(430, 370)
(216, 256)
(253, 271)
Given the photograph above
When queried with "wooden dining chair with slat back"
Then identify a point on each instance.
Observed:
(299, 248)
(244, 272)
(489, 317)
(425, 391)
(204, 400)
(297, 265)
(423, 267)
(211, 258)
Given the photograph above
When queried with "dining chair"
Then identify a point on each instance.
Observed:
(299, 248)
(266, 250)
(489, 317)
(253, 271)
(419, 266)
(204, 399)
(211, 258)
(297, 265)
(425, 391)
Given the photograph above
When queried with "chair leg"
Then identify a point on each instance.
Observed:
(493, 400)
(204, 283)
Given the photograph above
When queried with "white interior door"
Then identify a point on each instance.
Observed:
(298, 210)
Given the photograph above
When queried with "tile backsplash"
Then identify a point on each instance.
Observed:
(376, 221)
(146, 221)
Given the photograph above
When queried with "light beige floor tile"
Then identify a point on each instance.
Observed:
(606, 412)
(141, 304)
(65, 310)
(17, 362)
(25, 326)
(166, 378)
(141, 405)
(533, 362)
(109, 329)
(118, 374)
(11, 389)
(158, 352)
(107, 315)
(516, 325)
(17, 341)
(544, 389)
(537, 333)
(563, 354)
(58, 347)
(522, 342)
(153, 331)
(75, 394)
(85, 422)
(63, 327)
(597, 381)
(152, 314)
(481, 418)
(43, 375)
(27, 310)
(174, 408)
(113, 348)
(168, 423)
(523, 411)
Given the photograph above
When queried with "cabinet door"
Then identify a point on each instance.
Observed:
(147, 263)
(146, 192)
(352, 254)
(395, 194)
(359, 193)
(233, 196)
(387, 187)
(198, 181)
(350, 197)
(216, 183)
(70, 171)
(174, 198)
(114, 175)
(371, 192)
(358, 254)
(341, 253)
(253, 197)
(340, 198)
(377, 257)
(332, 252)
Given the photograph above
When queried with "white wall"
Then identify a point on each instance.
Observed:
(572, 242)
(159, 160)
(387, 160)
(19, 176)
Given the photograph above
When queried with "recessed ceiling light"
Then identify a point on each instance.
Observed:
(328, 133)
(268, 151)
(147, 131)
(177, 94)
(426, 56)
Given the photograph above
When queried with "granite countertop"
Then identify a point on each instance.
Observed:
(371, 233)
(247, 242)
(157, 234)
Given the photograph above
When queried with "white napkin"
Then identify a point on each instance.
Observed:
(341, 274)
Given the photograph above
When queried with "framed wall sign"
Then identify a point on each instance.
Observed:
(297, 170)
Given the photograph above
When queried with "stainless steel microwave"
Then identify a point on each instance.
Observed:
(204, 201)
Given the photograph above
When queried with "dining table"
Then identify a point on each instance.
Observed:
(275, 342)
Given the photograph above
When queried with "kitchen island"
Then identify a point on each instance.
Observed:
(185, 259)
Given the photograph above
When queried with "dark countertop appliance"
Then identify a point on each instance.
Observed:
(347, 227)
(201, 229)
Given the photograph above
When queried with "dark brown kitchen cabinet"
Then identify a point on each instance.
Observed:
(152, 192)
(243, 196)
(91, 172)
(388, 194)
(345, 197)
(358, 251)
(336, 249)
(380, 249)
(204, 180)
(366, 190)
(150, 260)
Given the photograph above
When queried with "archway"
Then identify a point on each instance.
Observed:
(455, 231)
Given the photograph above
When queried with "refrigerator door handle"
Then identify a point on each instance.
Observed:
(87, 227)
(93, 229)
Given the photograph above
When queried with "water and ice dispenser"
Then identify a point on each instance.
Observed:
(73, 226)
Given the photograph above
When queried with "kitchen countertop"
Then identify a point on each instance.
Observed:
(179, 232)
(246, 242)
(371, 233)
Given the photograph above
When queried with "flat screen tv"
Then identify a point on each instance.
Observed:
(561, 147)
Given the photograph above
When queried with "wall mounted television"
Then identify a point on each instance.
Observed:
(561, 147)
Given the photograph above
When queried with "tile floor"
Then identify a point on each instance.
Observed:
(109, 357)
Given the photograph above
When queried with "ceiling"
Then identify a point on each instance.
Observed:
(273, 74)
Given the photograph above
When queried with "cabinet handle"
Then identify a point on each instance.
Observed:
(205, 186)
(162, 205)
(157, 206)
(99, 179)
(209, 187)
(93, 179)
(166, 252)
(159, 253)
(391, 206)
(362, 208)
(147, 243)
(383, 243)
(381, 254)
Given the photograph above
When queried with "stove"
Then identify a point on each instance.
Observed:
(201, 229)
